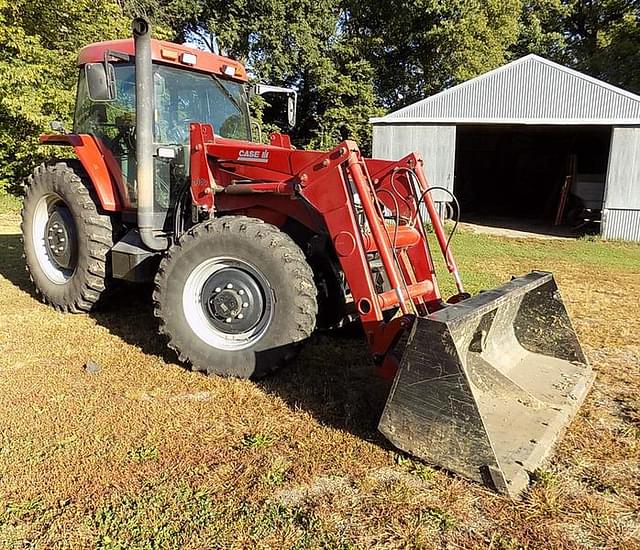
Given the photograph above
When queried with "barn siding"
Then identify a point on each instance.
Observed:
(436, 144)
(621, 214)
(623, 177)
(621, 224)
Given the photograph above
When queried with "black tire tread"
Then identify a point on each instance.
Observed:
(293, 262)
(95, 225)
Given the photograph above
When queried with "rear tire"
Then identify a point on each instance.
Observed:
(66, 239)
(235, 297)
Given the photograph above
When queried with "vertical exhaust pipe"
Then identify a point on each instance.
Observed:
(144, 135)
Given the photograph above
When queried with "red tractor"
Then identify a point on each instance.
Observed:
(251, 247)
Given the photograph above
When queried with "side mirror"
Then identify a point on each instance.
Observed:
(101, 81)
(292, 99)
(291, 110)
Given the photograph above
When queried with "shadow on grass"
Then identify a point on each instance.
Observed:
(332, 378)
(12, 265)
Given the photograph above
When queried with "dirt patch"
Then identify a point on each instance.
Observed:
(521, 231)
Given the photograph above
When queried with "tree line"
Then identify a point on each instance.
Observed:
(349, 60)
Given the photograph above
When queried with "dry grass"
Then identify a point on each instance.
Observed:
(143, 454)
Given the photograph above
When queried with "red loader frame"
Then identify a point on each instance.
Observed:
(350, 195)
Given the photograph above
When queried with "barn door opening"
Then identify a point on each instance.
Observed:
(513, 176)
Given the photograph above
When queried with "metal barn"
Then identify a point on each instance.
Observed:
(512, 142)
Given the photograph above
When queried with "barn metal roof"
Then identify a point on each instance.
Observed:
(530, 90)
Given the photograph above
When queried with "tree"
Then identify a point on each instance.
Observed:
(39, 42)
(542, 29)
(345, 99)
(600, 38)
(348, 59)
(301, 44)
(421, 47)
(618, 57)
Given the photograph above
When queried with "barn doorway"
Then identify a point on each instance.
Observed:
(513, 176)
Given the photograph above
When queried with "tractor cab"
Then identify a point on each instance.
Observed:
(189, 85)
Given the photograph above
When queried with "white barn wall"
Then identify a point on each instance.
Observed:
(621, 212)
(436, 144)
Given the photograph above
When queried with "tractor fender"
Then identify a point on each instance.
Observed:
(93, 159)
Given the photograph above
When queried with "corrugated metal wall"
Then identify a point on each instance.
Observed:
(621, 224)
(621, 214)
(436, 144)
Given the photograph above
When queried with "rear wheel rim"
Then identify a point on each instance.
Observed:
(54, 238)
(228, 303)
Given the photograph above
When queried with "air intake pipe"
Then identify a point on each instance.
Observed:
(144, 136)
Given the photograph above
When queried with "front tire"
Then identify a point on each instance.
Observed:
(235, 297)
(66, 239)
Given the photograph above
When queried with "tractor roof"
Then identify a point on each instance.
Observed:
(169, 53)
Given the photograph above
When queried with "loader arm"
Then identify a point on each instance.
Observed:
(226, 171)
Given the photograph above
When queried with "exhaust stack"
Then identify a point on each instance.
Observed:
(144, 136)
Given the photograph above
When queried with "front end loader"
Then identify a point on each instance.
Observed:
(251, 247)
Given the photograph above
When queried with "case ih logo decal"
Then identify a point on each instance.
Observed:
(253, 155)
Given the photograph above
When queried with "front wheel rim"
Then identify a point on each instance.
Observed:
(54, 238)
(228, 303)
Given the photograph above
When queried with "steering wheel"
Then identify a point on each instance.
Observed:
(124, 140)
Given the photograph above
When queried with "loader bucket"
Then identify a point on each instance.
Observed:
(486, 386)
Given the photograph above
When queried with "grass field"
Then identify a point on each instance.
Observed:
(144, 454)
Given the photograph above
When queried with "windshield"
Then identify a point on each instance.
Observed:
(184, 96)
(180, 97)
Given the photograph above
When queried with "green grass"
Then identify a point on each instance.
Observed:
(439, 518)
(589, 252)
(9, 203)
(255, 441)
(155, 519)
(482, 252)
(143, 453)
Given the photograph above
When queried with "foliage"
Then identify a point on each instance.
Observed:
(600, 38)
(299, 44)
(39, 41)
(345, 99)
(8, 203)
(541, 29)
(421, 47)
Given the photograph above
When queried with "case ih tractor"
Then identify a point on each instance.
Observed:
(251, 247)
